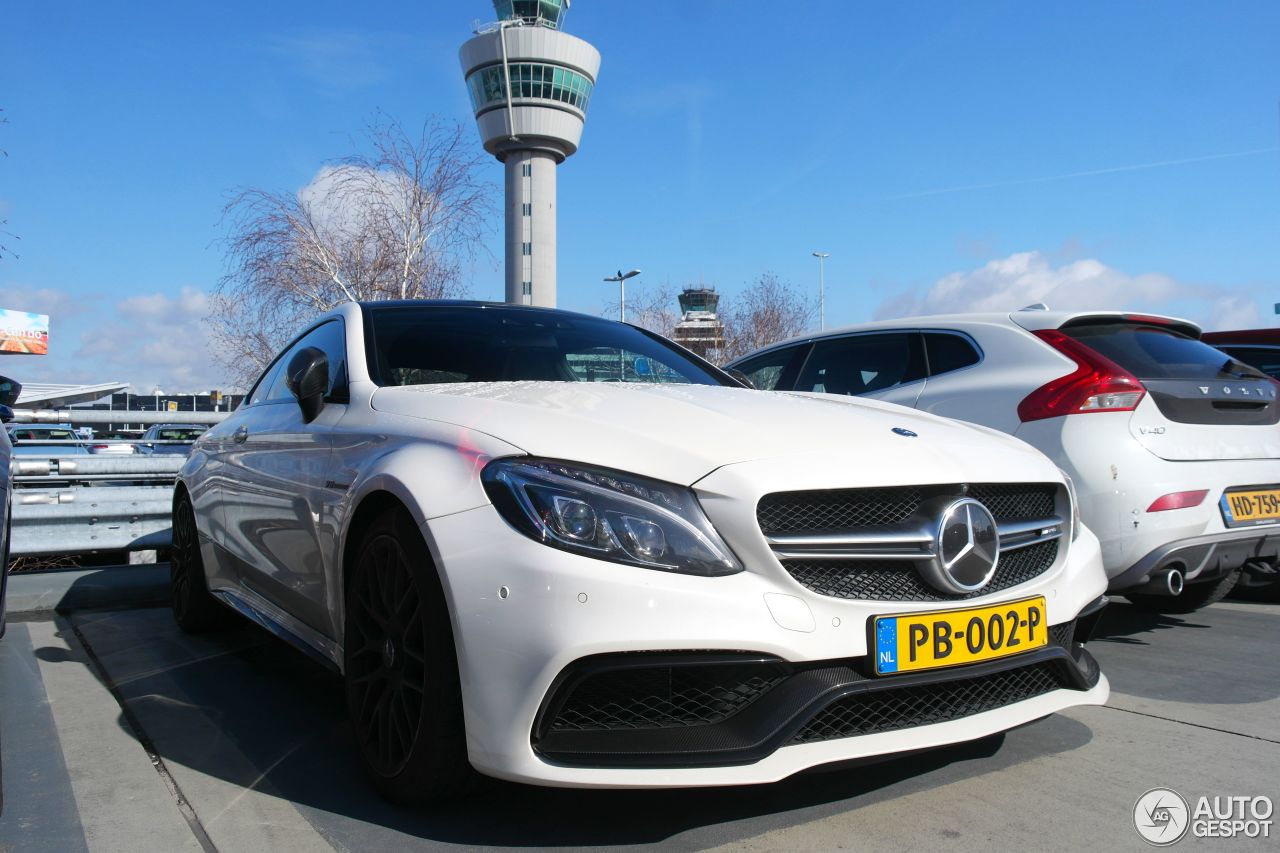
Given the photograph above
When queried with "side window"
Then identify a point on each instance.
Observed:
(775, 370)
(861, 364)
(330, 338)
(948, 352)
(259, 392)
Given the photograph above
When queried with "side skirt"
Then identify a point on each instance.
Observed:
(261, 612)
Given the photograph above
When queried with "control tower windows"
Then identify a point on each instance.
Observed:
(529, 80)
(546, 13)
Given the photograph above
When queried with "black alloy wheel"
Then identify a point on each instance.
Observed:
(403, 693)
(194, 607)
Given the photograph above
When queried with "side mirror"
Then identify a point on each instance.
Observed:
(741, 377)
(308, 379)
(6, 414)
(9, 391)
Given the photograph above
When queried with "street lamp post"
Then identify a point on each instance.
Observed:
(822, 298)
(621, 279)
(622, 292)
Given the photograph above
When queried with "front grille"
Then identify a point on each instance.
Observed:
(921, 705)
(786, 513)
(828, 511)
(1063, 634)
(1015, 500)
(655, 697)
(898, 580)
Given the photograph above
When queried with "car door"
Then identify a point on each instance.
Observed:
(885, 365)
(275, 487)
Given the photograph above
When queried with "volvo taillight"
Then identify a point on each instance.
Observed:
(1098, 384)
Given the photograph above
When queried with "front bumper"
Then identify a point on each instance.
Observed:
(699, 709)
(526, 615)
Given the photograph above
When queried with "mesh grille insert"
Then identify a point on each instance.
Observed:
(901, 708)
(898, 580)
(839, 510)
(664, 696)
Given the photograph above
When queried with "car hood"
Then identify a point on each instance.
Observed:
(681, 433)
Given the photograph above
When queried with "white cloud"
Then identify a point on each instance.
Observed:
(155, 340)
(149, 340)
(1007, 284)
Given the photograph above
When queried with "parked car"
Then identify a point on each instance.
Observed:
(9, 391)
(169, 439)
(45, 440)
(672, 580)
(113, 443)
(1259, 348)
(1172, 444)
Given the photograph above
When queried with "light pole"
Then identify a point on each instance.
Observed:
(622, 292)
(822, 303)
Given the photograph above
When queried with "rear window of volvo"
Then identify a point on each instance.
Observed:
(1152, 352)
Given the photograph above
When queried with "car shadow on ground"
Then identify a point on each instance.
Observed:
(1127, 623)
(1210, 657)
(242, 706)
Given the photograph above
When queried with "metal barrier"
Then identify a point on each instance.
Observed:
(106, 416)
(95, 502)
(79, 504)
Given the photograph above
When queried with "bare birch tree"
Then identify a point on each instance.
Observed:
(399, 222)
(767, 311)
(654, 308)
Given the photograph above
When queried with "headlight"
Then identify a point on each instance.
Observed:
(1075, 504)
(608, 515)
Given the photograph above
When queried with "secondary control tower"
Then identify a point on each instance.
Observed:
(530, 85)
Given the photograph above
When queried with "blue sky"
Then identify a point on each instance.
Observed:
(947, 155)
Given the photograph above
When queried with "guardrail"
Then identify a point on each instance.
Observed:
(107, 416)
(81, 504)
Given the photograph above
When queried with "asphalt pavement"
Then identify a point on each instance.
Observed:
(118, 732)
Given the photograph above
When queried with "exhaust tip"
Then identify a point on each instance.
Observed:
(1174, 582)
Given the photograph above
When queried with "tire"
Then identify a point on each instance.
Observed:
(194, 608)
(403, 694)
(1193, 596)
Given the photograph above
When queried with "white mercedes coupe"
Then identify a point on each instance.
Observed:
(556, 549)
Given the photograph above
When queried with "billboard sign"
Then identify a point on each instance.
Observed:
(23, 333)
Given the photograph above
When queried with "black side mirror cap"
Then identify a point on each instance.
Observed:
(6, 414)
(308, 379)
(9, 391)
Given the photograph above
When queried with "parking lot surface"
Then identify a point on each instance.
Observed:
(120, 733)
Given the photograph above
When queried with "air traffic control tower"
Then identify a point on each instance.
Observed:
(530, 84)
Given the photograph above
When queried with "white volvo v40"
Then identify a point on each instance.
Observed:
(561, 550)
(1174, 446)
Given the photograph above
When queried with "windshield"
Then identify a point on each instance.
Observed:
(1150, 352)
(189, 434)
(38, 434)
(423, 345)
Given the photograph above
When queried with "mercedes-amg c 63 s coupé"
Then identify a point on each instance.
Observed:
(561, 550)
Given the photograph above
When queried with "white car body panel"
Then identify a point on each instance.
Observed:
(275, 512)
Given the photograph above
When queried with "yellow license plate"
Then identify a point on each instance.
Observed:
(1254, 506)
(916, 641)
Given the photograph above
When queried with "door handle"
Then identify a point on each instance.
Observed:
(241, 435)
